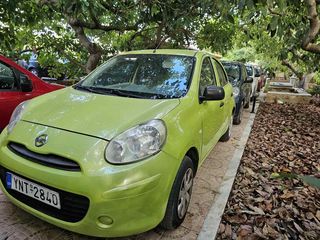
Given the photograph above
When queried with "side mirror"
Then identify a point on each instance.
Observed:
(257, 75)
(249, 80)
(25, 84)
(212, 93)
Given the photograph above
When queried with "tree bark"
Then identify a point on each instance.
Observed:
(314, 28)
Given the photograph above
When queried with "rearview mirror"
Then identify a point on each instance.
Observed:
(25, 84)
(212, 93)
(249, 80)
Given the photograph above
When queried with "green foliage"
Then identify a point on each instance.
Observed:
(217, 34)
(316, 78)
(315, 90)
(244, 54)
(265, 31)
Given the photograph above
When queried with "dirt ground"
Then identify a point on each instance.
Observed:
(284, 141)
(17, 224)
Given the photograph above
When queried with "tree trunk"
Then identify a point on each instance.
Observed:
(94, 49)
(295, 71)
(308, 42)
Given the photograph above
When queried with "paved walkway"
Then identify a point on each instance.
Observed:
(17, 224)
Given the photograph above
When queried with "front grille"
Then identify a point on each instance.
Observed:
(50, 160)
(73, 206)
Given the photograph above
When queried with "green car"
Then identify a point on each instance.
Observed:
(116, 154)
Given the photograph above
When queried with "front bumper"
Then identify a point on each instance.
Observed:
(124, 199)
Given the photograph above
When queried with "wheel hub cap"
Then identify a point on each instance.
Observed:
(185, 193)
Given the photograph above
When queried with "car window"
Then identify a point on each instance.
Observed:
(143, 75)
(207, 76)
(233, 72)
(7, 78)
(222, 76)
(249, 71)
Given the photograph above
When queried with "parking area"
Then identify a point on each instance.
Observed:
(17, 224)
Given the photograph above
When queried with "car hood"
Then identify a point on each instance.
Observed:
(102, 116)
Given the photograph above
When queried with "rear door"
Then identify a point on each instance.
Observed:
(228, 100)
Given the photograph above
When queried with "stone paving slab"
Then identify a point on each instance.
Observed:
(15, 224)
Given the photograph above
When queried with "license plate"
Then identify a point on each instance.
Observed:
(33, 190)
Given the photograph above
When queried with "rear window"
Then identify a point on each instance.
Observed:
(233, 72)
(249, 70)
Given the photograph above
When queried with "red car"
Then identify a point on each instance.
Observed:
(17, 85)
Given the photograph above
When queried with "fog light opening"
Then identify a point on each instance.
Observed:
(104, 221)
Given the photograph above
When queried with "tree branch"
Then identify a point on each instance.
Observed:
(96, 25)
(292, 68)
(274, 12)
(314, 28)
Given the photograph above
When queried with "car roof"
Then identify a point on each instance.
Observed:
(183, 52)
(231, 62)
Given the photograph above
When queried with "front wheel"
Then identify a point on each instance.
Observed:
(180, 196)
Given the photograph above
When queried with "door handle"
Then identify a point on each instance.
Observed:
(231, 94)
(221, 104)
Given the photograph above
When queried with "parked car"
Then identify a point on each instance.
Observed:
(241, 83)
(30, 62)
(117, 153)
(253, 71)
(18, 85)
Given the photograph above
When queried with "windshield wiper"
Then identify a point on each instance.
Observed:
(85, 88)
(159, 96)
(122, 93)
(109, 91)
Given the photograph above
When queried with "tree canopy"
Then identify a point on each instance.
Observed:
(83, 33)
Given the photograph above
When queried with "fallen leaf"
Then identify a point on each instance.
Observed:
(244, 230)
(298, 227)
(257, 210)
(228, 231)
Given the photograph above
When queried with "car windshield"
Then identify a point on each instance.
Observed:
(249, 70)
(142, 76)
(233, 72)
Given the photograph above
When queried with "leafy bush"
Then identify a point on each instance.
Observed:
(315, 90)
(316, 78)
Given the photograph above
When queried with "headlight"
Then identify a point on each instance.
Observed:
(16, 116)
(236, 91)
(137, 143)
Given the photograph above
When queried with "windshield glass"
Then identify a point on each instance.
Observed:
(233, 72)
(142, 75)
(249, 71)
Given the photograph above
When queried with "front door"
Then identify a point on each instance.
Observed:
(10, 93)
(211, 111)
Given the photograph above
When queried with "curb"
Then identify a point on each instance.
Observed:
(211, 224)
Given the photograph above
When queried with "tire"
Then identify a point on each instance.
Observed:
(247, 105)
(175, 215)
(227, 135)
(237, 119)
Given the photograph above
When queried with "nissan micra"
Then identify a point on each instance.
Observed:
(117, 153)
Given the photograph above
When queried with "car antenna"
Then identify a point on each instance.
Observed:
(154, 51)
